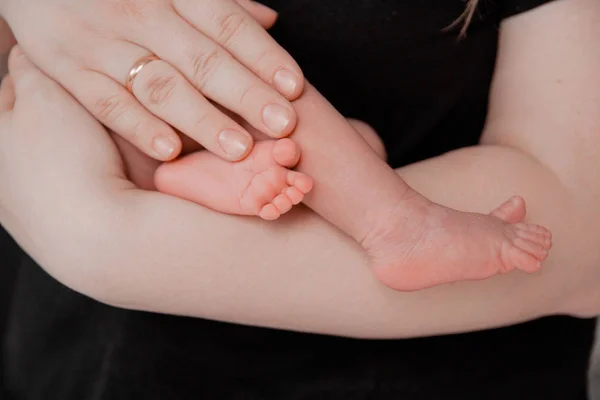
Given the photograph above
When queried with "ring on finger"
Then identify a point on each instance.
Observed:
(136, 69)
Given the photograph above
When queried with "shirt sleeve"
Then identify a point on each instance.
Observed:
(514, 7)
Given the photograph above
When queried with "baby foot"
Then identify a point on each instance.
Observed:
(437, 245)
(259, 185)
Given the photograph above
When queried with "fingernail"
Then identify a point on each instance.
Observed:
(286, 82)
(234, 143)
(164, 147)
(276, 118)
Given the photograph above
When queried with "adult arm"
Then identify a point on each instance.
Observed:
(148, 251)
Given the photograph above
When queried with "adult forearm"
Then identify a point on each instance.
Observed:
(301, 274)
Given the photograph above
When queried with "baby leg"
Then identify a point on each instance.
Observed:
(512, 212)
(370, 136)
(413, 242)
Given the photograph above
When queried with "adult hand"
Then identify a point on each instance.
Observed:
(209, 51)
(60, 172)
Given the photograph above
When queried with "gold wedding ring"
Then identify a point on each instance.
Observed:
(135, 70)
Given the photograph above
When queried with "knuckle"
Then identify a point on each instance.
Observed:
(109, 108)
(94, 32)
(113, 111)
(134, 133)
(231, 26)
(140, 11)
(248, 94)
(160, 89)
(204, 63)
(201, 122)
(264, 57)
(267, 62)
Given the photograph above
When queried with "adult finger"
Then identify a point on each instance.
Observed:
(228, 24)
(162, 90)
(110, 102)
(120, 111)
(219, 76)
(262, 14)
(168, 95)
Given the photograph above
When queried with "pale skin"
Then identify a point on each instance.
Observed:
(402, 231)
(212, 54)
(300, 273)
(413, 243)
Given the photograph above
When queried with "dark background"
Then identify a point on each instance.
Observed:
(10, 254)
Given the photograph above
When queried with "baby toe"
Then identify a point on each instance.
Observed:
(538, 238)
(523, 260)
(283, 203)
(533, 228)
(533, 248)
(300, 181)
(269, 212)
(286, 153)
(294, 195)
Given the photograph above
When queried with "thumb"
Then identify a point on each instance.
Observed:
(54, 125)
(22, 70)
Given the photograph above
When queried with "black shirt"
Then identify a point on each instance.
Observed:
(390, 63)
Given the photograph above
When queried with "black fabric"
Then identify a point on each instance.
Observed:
(9, 256)
(513, 7)
(390, 63)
